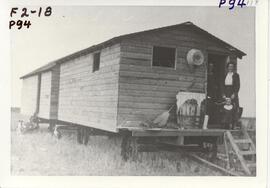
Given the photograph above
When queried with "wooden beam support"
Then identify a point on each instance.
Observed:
(177, 132)
(212, 165)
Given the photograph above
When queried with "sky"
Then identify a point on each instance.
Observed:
(72, 28)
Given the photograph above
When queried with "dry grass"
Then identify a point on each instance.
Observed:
(39, 153)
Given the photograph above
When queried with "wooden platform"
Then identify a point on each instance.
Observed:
(141, 132)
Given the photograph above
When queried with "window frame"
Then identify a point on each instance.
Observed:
(93, 66)
(163, 46)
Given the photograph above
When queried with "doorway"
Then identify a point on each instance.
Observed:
(215, 79)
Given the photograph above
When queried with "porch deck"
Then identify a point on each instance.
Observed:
(140, 132)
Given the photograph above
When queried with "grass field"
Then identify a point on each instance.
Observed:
(40, 153)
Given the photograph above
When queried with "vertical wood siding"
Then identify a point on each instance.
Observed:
(90, 98)
(45, 95)
(146, 91)
(55, 81)
(29, 95)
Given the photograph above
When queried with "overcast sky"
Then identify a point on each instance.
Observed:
(70, 29)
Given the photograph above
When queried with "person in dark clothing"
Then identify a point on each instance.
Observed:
(230, 89)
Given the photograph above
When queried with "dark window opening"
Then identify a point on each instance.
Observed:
(96, 62)
(163, 57)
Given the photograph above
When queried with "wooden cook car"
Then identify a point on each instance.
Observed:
(122, 85)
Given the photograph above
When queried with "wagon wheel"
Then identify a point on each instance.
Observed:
(51, 127)
(129, 148)
(213, 151)
(86, 133)
(79, 135)
(83, 134)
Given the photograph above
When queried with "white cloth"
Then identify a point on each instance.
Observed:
(228, 107)
(183, 96)
(229, 79)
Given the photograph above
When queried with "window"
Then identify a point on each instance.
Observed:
(163, 57)
(96, 61)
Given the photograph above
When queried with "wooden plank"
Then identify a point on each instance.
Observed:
(247, 152)
(135, 111)
(45, 95)
(103, 125)
(100, 87)
(136, 61)
(160, 82)
(147, 56)
(212, 165)
(148, 99)
(144, 105)
(238, 153)
(184, 71)
(55, 85)
(82, 82)
(87, 113)
(85, 70)
(38, 94)
(96, 94)
(71, 111)
(226, 152)
(251, 165)
(29, 95)
(147, 93)
(136, 49)
(187, 132)
(156, 75)
(91, 76)
(149, 87)
(246, 135)
(242, 141)
(122, 118)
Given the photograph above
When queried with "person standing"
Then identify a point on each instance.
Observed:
(231, 88)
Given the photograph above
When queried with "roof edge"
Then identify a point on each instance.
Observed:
(118, 39)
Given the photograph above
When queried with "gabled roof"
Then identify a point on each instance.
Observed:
(40, 69)
(118, 39)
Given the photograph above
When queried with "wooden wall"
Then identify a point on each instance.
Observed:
(90, 98)
(49, 90)
(55, 81)
(29, 95)
(45, 95)
(146, 91)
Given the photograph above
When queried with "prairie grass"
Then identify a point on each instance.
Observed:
(40, 153)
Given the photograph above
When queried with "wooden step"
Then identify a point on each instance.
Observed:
(251, 165)
(249, 152)
(247, 165)
(242, 141)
